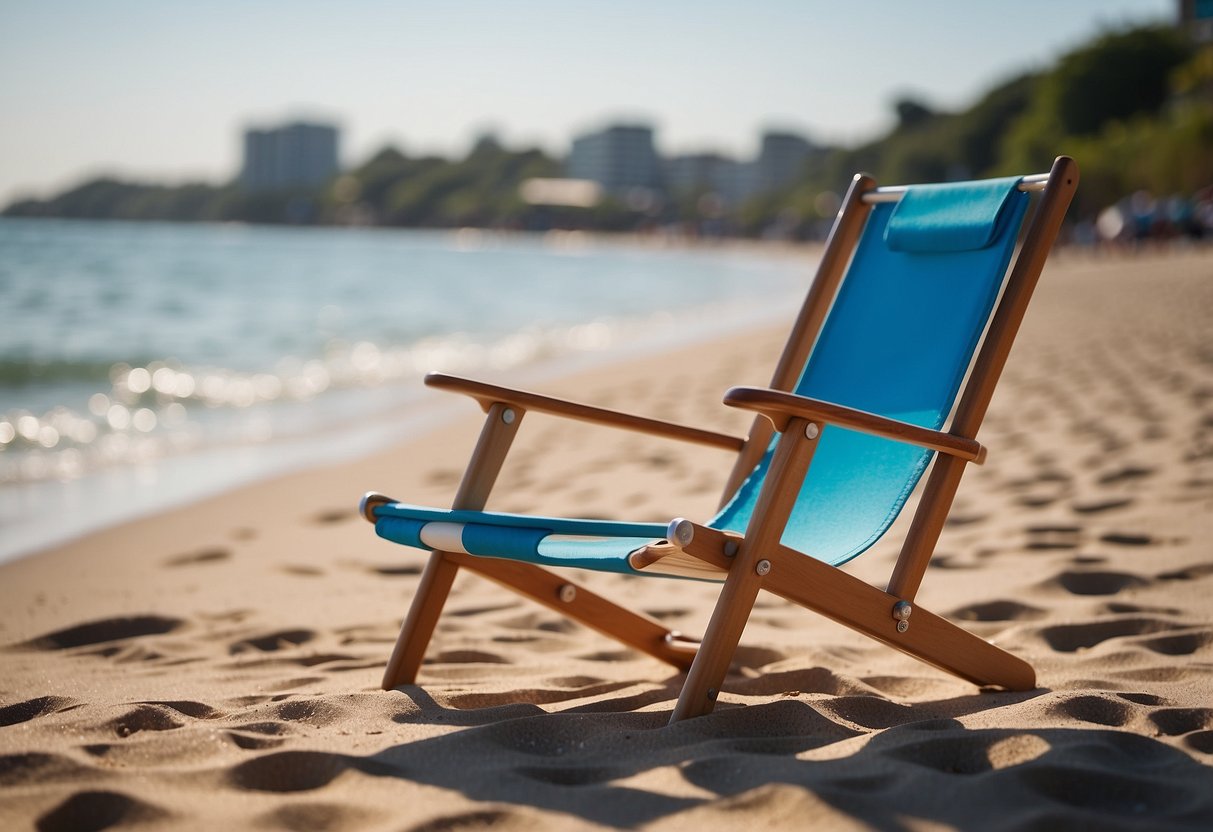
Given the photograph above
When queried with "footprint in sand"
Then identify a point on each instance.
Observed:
(312, 816)
(1098, 709)
(1042, 490)
(289, 771)
(397, 571)
(475, 821)
(943, 560)
(963, 519)
(481, 609)
(1129, 473)
(1202, 741)
(281, 640)
(1053, 537)
(144, 718)
(252, 742)
(610, 656)
(316, 712)
(100, 810)
(334, 515)
(1096, 582)
(35, 768)
(1070, 638)
(1001, 610)
(34, 708)
(873, 713)
(194, 710)
(209, 555)
(1194, 724)
(1099, 506)
(1120, 608)
(1180, 644)
(257, 736)
(301, 571)
(1127, 539)
(469, 657)
(105, 630)
(1088, 560)
(1192, 573)
(1174, 722)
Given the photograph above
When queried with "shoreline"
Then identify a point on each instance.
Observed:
(213, 452)
(219, 663)
(117, 494)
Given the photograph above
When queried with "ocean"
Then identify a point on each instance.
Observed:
(143, 365)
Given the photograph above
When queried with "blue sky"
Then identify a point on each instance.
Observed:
(159, 90)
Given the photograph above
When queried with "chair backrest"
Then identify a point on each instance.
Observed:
(898, 339)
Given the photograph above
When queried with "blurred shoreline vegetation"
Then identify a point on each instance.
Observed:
(1134, 107)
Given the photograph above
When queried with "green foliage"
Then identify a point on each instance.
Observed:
(1134, 107)
(928, 146)
(480, 190)
(1170, 154)
(111, 199)
(1117, 76)
(1167, 151)
(389, 189)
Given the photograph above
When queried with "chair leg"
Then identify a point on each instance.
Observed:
(733, 608)
(500, 425)
(418, 627)
(788, 466)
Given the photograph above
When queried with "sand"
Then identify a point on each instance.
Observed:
(217, 666)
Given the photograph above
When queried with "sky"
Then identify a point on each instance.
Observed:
(154, 90)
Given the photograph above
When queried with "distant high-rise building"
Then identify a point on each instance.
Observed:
(709, 172)
(780, 161)
(295, 155)
(619, 158)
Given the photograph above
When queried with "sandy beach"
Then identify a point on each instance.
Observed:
(218, 665)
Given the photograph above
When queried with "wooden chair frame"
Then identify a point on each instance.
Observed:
(757, 560)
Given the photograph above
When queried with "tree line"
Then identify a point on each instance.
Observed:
(1135, 107)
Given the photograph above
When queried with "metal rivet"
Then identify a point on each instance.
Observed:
(684, 532)
(811, 430)
(730, 548)
(763, 567)
(508, 416)
(568, 593)
(901, 614)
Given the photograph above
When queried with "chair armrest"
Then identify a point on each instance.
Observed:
(488, 394)
(780, 407)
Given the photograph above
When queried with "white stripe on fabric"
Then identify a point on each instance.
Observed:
(445, 537)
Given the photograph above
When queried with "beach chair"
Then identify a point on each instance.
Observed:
(906, 327)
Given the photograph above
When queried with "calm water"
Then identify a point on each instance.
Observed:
(146, 364)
